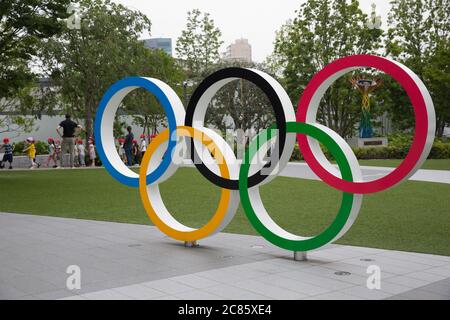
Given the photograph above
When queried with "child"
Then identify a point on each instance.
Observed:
(122, 150)
(91, 150)
(76, 159)
(81, 153)
(8, 156)
(31, 153)
(143, 145)
(51, 153)
(58, 151)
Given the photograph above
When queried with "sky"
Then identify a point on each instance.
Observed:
(256, 20)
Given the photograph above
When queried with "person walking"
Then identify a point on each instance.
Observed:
(142, 147)
(135, 151)
(51, 153)
(81, 152)
(8, 156)
(68, 137)
(58, 153)
(92, 154)
(30, 150)
(128, 146)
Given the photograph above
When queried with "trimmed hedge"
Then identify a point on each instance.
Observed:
(41, 148)
(440, 150)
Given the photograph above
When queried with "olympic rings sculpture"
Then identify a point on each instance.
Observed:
(240, 182)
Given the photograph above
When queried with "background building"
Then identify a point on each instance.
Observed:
(160, 43)
(239, 50)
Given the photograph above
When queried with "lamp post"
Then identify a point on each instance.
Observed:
(186, 83)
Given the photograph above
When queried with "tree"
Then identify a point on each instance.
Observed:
(84, 62)
(146, 110)
(437, 77)
(323, 31)
(13, 119)
(419, 37)
(198, 46)
(240, 105)
(24, 25)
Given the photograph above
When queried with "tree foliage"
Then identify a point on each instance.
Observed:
(323, 31)
(419, 37)
(146, 110)
(198, 46)
(84, 62)
(240, 105)
(24, 25)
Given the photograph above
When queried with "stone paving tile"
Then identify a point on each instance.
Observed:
(74, 298)
(168, 297)
(335, 296)
(364, 292)
(53, 295)
(393, 288)
(407, 281)
(139, 291)
(319, 281)
(197, 294)
(29, 284)
(105, 295)
(168, 286)
(330, 273)
(293, 285)
(268, 290)
(426, 276)
(234, 293)
(438, 288)
(7, 291)
(195, 281)
(439, 271)
(423, 295)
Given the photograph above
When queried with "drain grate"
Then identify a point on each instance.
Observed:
(367, 259)
(342, 273)
(135, 245)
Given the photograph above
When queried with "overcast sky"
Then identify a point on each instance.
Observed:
(256, 20)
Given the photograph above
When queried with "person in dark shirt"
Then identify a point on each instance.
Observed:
(68, 137)
(128, 146)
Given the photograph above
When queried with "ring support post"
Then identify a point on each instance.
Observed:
(300, 256)
(191, 244)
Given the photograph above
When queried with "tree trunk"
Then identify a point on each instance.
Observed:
(88, 120)
(440, 126)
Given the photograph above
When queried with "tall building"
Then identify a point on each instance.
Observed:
(160, 43)
(239, 50)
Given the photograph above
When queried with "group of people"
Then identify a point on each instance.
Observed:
(56, 149)
(74, 147)
(78, 154)
(8, 149)
(129, 150)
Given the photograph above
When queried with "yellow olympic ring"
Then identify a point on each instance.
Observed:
(166, 223)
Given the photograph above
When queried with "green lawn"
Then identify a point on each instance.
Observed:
(414, 216)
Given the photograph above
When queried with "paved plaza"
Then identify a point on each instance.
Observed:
(126, 261)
